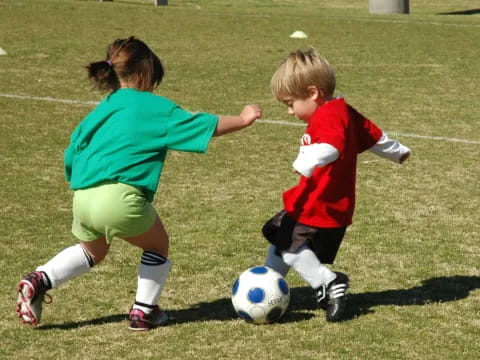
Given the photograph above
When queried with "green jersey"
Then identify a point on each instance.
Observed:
(126, 139)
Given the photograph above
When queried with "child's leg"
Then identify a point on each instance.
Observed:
(294, 240)
(307, 265)
(74, 261)
(311, 248)
(288, 237)
(152, 275)
(271, 231)
(330, 286)
(331, 296)
(275, 261)
(67, 264)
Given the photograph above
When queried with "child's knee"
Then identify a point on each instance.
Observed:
(95, 254)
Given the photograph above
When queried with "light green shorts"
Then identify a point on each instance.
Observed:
(113, 210)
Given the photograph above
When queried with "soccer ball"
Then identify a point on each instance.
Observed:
(260, 295)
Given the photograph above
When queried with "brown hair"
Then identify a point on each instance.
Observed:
(128, 60)
(301, 69)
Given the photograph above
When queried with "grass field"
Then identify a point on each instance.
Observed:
(413, 252)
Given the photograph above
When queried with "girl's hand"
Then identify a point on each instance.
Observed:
(250, 113)
(228, 124)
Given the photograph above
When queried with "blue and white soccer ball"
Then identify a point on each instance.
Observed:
(260, 295)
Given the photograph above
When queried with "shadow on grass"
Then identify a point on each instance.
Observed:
(79, 324)
(462, 12)
(440, 289)
(220, 310)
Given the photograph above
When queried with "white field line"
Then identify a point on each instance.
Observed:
(49, 99)
(265, 121)
(392, 133)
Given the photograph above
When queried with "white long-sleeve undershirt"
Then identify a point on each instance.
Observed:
(389, 149)
(311, 156)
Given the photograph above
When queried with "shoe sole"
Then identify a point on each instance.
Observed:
(139, 329)
(24, 303)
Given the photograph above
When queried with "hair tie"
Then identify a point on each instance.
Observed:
(109, 63)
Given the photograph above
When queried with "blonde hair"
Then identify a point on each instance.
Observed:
(301, 69)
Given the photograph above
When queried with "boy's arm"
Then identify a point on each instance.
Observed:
(311, 156)
(390, 149)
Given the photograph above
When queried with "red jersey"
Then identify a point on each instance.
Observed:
(327, 198)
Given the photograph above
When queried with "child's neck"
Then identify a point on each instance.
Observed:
(324, 100)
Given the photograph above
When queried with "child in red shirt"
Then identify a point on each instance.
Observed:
(308, 232)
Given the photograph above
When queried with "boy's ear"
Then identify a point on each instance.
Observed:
(314, 92)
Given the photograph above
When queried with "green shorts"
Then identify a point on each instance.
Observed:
(113, 210)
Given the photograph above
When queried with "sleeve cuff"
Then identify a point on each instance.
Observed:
(389, 149)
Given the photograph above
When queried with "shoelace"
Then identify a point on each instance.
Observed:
(50, 300)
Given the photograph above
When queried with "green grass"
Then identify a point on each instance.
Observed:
(413, 252)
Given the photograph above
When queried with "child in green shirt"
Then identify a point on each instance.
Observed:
(113, 163)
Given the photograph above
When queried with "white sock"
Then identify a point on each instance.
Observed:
(67, 264)
(276, 262)
(152, 275)
(307, 265)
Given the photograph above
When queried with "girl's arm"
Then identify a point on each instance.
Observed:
(228, 124)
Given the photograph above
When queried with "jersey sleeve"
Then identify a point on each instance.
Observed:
(188, 131)
(369, 133)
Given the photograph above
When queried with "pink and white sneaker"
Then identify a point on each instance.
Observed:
(31, 294)
(139, 321)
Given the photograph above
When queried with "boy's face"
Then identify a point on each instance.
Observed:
(304, 108)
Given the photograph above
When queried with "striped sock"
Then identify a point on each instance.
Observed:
(152, 275)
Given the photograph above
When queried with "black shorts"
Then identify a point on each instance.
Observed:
(287, 234)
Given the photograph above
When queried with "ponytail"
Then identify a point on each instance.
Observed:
(103, 76)
(128, 61)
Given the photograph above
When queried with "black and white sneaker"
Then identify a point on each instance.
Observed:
(332, 297)
(322, 299)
